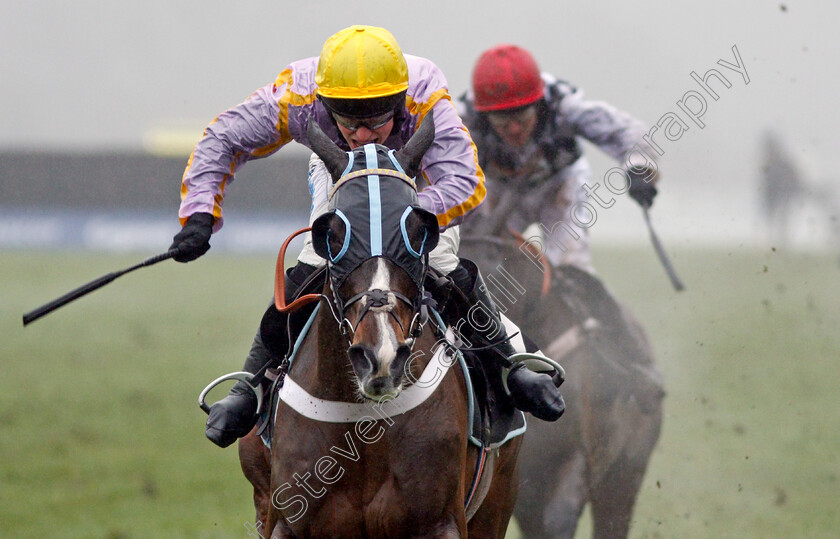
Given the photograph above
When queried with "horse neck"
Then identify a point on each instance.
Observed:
(509, 273)
(542, 315)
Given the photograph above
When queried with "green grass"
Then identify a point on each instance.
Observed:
(102, 437)
(751, 356)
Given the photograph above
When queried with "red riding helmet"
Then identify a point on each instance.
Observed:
(506, 77)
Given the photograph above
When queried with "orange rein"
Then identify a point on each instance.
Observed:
(546, 284)
(280, 280)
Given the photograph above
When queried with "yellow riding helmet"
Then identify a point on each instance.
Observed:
(361, 62)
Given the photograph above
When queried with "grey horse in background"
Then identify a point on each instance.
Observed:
(598, 452)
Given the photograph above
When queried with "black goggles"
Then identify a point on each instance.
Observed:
(354, 124)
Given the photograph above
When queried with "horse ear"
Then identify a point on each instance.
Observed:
(421, 231)
(329, 152)
(329, 236)
(410, 156)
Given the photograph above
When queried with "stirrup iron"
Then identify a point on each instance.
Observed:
(242, 376)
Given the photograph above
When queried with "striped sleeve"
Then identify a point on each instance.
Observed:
(252, 129)
(450, 166)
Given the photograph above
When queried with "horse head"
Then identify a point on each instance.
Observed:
(376, 239)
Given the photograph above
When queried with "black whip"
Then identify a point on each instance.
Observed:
(91, 286)
(660, 252)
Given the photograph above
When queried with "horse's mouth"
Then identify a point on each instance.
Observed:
(378, 379)
(379, 388)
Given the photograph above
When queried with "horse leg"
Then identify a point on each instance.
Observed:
(612, 502)
(493, 517)
(254, 460)
(614, 497)
(562, 507)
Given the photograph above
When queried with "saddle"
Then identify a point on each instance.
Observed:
(588, 298)
(494, 419)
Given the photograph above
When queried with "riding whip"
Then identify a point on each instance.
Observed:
(660, 252)
(91, 286)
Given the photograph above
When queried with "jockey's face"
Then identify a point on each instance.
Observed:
(370, 130)
(514, 127)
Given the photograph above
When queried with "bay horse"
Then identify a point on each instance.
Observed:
(600, 451)
(370, 436)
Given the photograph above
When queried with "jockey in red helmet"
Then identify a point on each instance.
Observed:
(505, 78)
(527, 126)
(361, 90)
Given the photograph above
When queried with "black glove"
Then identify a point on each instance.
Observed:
(642, 191)
(194, 239)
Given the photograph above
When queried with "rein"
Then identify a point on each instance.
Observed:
(280, 284)
(280, 280)
(546, 283)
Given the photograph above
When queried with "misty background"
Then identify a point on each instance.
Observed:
(101, 102)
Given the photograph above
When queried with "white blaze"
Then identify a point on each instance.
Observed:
(386, 340)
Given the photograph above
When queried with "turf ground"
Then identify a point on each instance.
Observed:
(100, 434)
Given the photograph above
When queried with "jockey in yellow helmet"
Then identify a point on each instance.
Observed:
(362, 89)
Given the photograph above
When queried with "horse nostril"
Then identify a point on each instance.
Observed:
(362, 358)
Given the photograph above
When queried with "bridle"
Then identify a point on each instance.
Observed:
(378, 300)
